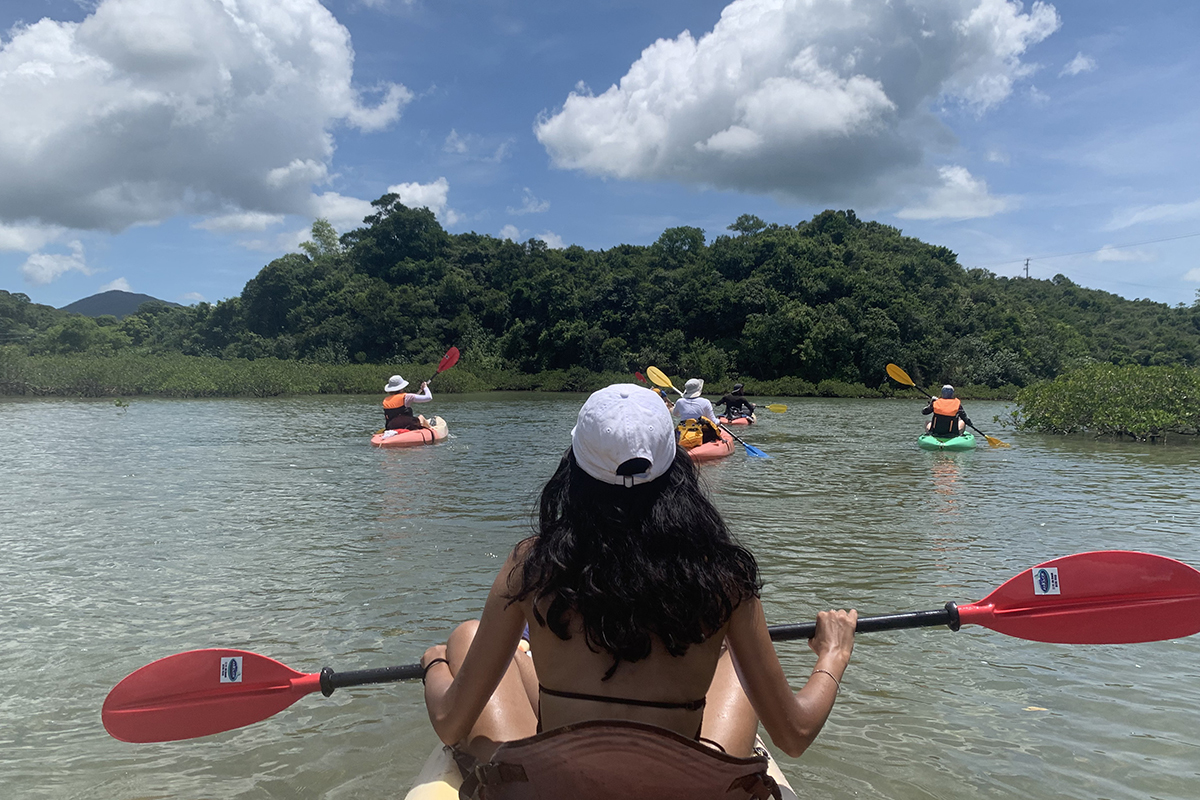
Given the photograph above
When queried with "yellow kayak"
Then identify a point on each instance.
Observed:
(439, 779)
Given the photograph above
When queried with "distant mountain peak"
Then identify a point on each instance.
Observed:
(114, 302)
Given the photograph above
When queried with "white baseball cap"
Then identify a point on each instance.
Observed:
(621, 428)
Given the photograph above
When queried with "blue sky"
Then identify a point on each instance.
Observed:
(174, 147)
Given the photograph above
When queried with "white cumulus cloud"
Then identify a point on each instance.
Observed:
(342, 212)
(434, 196)
(147, 109)
(28, 238)
(1193, 275)
(511, 232)
(960, 196)
(42, 268)
(812, 100)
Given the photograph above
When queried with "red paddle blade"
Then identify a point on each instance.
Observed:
(641, 378)
(448, 360)
(201, 692)
(1102, 597)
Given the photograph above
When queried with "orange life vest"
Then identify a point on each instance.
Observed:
(947, 406)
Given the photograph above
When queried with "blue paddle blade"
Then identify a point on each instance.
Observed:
(751, 450)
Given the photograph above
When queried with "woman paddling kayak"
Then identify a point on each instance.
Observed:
(397, 406)
(642, 614)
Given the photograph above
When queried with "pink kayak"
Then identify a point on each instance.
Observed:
(711, 450)
(412, 438)
(750, 420)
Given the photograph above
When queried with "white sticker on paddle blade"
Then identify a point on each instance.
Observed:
(231, 669)
(1045, 580)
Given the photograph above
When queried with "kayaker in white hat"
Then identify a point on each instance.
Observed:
(697, 419)
(949, 418)
(638, 602)
(397, 406)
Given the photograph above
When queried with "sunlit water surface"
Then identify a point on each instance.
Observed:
(272, 526)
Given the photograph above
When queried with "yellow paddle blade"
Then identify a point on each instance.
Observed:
(994, 442)
(778, 408)
(899, 375)
(657, 377)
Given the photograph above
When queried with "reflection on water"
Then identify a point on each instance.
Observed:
(272, 525)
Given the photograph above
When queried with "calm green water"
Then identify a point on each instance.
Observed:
(272, 526)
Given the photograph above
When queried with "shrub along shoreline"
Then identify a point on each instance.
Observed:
(177, 375)
(1142, 403)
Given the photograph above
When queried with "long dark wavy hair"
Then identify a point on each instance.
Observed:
(632, 563)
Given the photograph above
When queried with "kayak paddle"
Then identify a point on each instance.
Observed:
(448, 361)
(900, 376)
(659, 379)
(751, 450)
(1101, 597)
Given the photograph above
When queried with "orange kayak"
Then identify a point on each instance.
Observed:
(750, 420)
(412, 438)
(711, 450)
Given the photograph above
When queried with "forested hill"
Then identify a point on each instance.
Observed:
(834, 297)
(114, 302)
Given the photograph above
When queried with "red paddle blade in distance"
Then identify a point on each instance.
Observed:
(199, 693)
(448, 360)
(1102, 597)
(641, 378)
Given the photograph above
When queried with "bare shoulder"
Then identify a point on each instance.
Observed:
(512, 574)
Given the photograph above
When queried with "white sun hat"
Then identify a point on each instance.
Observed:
(395, 384)
(693, 388)
(622, 428)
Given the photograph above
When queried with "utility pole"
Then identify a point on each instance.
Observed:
(1027, 268)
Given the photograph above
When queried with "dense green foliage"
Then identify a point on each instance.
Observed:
(129, 374)
(828, 302)
(1139, 402)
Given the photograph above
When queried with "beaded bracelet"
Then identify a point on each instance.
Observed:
(830, 674)
(425, 670)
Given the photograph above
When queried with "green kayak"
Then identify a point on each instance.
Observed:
(964, 442)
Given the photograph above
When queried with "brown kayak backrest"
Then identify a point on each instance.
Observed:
(606, 759)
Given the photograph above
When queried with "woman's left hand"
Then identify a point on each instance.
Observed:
(437, 651)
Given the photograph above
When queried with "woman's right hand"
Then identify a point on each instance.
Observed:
(835, 634)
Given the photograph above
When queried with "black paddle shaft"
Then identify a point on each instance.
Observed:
(889, 622)
(331, 680)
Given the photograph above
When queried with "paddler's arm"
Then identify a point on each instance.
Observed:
(424, 396)
(455, 702)
(791, 720)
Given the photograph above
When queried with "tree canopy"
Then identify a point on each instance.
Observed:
(832, 298)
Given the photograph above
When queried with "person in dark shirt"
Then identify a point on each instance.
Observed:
(736, 404)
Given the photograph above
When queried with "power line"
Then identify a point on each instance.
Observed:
(1086, 252)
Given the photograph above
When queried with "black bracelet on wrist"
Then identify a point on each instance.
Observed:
(425, 669)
